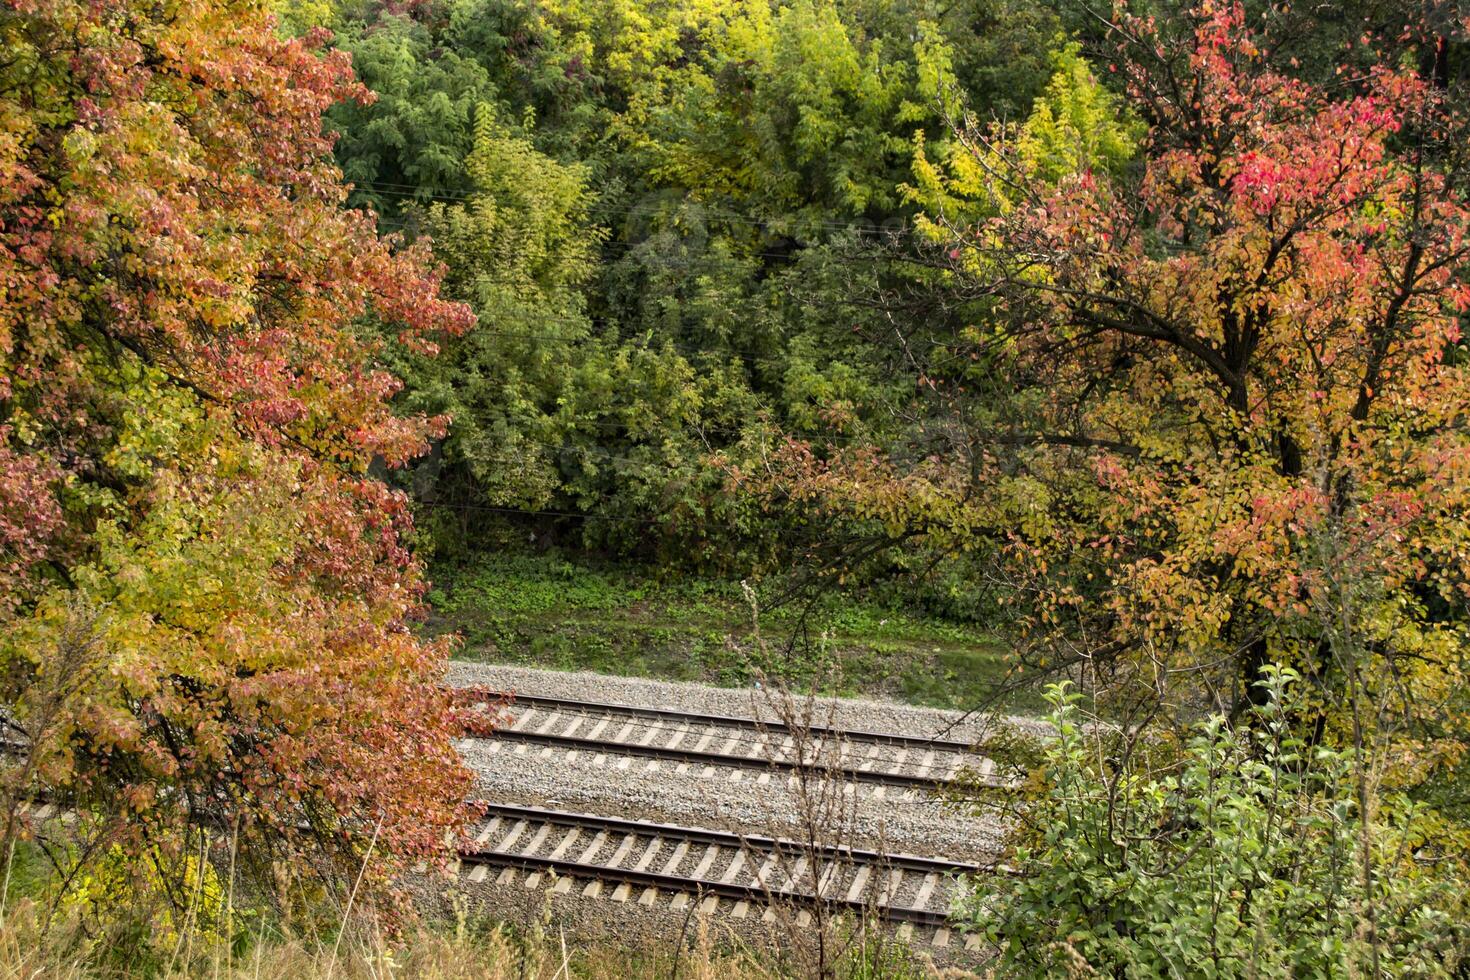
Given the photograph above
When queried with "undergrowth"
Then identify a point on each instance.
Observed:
(546, 611)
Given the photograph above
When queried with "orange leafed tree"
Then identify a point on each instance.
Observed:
(204, 595)
(1224, 387)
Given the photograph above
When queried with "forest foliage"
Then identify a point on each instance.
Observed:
(1133, 332)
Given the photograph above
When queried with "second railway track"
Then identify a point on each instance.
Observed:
(908, 765)
(744, 876)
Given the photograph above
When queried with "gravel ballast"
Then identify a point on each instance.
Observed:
(888, 716)
(719, 798)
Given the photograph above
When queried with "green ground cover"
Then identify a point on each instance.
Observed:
(550, 612)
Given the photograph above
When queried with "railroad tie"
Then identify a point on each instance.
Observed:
(597, 728)
(679, 898)
(523, 721)
(673, 862)
(507, 875)
(890, 888)
(565, 885)
(798, 871)
(759, 880)
(478, 872)
(828, 875)
(921, 900)
(537, 839)
(785, 749)
(620, 894)
(712, 902)
(510, 838)
(734, 868)
(650, 894)
(623, 848)
(593, 847)
(859, 882)
(705, 861)
(566, 843)
(534, 878)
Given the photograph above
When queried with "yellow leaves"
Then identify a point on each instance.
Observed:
(120, 886)
(79, 144)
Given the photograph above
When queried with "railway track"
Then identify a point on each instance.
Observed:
(744, 876)
(658, 738)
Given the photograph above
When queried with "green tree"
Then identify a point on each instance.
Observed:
(411, 140)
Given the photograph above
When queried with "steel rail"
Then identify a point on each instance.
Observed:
(737, 721)
(751, 892)
(848, 772)
(898, 860)
(699, 886)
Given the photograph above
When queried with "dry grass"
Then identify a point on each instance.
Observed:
(29, 950)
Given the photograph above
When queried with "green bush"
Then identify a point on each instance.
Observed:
(1241, 856)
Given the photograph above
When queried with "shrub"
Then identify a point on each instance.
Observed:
(1245, 854)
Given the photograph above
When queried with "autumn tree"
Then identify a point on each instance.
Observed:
(203, 592)
(1209, 406)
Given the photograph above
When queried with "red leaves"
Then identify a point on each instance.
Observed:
(480, 711)
(1267, 315)
(30, 518)
(194, 408)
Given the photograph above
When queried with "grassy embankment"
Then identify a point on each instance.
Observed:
(32, 947)
(548, 612)
(72, 938)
